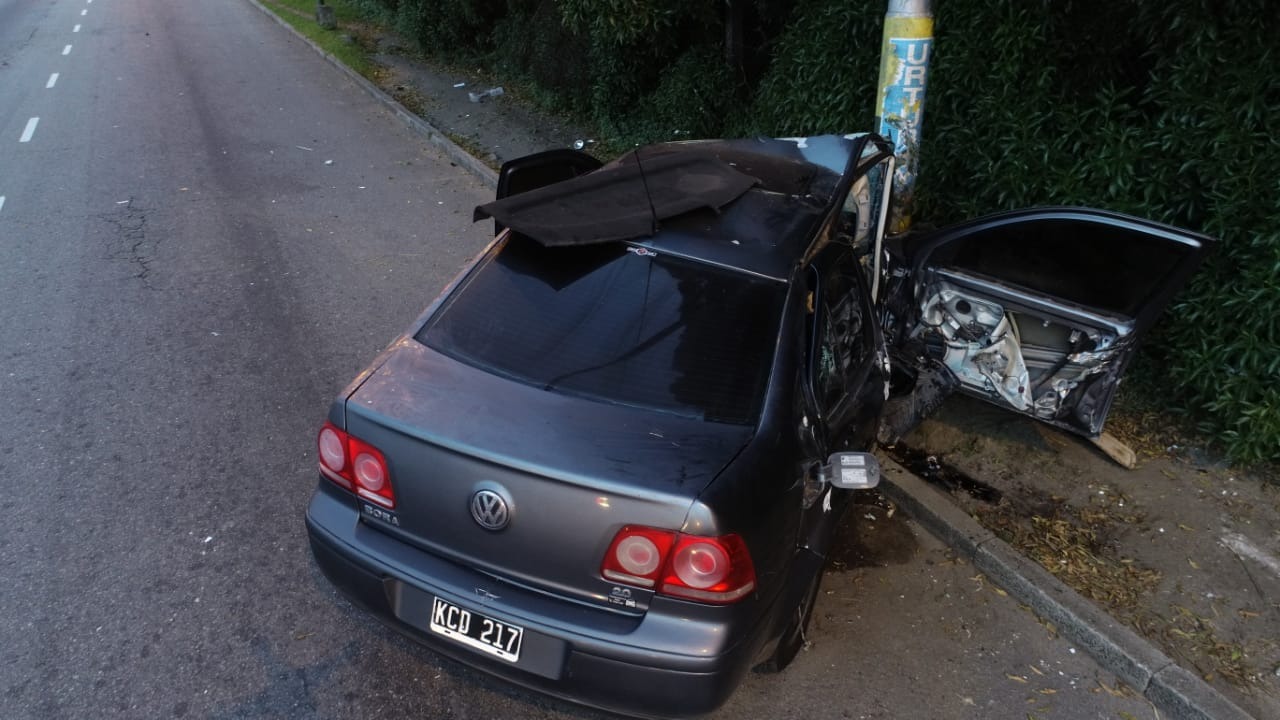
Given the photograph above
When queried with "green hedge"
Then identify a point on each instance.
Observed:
(1163, 110)
(1167, 111)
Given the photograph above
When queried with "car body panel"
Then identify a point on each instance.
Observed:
(1041, 310)
(571, 472)
(588, 655)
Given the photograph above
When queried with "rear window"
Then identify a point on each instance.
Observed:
(609, 323)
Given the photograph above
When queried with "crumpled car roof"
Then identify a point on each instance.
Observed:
(622, 201)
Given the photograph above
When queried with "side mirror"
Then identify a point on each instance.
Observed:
(852, 470)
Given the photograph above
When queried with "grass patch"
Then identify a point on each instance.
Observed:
(342, 42)
(1073, 544)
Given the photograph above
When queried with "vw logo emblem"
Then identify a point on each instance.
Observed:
(489, 510)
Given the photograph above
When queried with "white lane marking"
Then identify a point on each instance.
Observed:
(75, 29)
(31, 129)
(66, 50)
(1, 202)
(53, 80)
(1240, 545)
(83, 13)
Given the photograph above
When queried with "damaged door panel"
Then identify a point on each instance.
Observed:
(1040, 311)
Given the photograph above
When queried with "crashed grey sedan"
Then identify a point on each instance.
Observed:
(608, 461)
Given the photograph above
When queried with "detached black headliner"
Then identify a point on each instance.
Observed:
(620, 202)
(758, 215)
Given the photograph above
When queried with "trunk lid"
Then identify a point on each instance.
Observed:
(571, 471)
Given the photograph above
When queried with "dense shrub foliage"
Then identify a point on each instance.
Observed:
(1164, 110)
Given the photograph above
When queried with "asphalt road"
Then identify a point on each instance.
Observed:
(203, 236)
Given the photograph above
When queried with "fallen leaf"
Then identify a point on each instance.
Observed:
(1193, 564)
(1016, 678)
(1036, 670)
(1113, 692)
(1188, 528)
(1047, 691)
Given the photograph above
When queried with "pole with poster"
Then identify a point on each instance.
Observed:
(904, 69)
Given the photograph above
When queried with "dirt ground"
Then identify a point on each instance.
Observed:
(1183, 550)
(496, 128)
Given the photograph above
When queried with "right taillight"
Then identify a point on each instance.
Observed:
(355, 465)
(708, 569)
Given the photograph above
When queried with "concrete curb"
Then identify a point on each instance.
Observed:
(433, 135)
(1178, 694)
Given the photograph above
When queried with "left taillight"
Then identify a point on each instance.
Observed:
(355, 465)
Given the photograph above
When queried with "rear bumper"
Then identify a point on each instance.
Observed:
(621, 663)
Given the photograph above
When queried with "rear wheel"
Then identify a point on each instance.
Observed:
(793, 636)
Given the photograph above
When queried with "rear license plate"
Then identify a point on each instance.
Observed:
(475, 630)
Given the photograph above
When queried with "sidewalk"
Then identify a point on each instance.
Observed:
(1168, 574)
(1181, 553)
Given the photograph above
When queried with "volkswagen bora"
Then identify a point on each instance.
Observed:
(607, 462)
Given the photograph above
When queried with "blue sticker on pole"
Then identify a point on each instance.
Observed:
(903, 91)
(904, 75)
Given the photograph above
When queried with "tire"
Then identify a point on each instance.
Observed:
(793, 636)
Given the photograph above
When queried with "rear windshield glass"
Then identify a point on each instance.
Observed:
(609, 323)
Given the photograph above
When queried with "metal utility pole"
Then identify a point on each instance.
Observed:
(904, 68)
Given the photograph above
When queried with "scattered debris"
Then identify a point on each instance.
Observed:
(1117, 450)
(490, 93)
(933, 469)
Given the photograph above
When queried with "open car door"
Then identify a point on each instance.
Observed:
(1041, 310)
(539, 170)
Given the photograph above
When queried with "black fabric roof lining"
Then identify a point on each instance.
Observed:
(611, 204)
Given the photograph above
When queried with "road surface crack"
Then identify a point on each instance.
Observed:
(130, 242)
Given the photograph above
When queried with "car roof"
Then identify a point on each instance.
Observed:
(767, 229)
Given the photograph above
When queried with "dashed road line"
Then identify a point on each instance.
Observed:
(66, 50)
(30, 129)
(83, 13)
(75, 29)
(1, 202)
(53, 80)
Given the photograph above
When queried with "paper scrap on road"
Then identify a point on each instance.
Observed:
(1240, 545)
